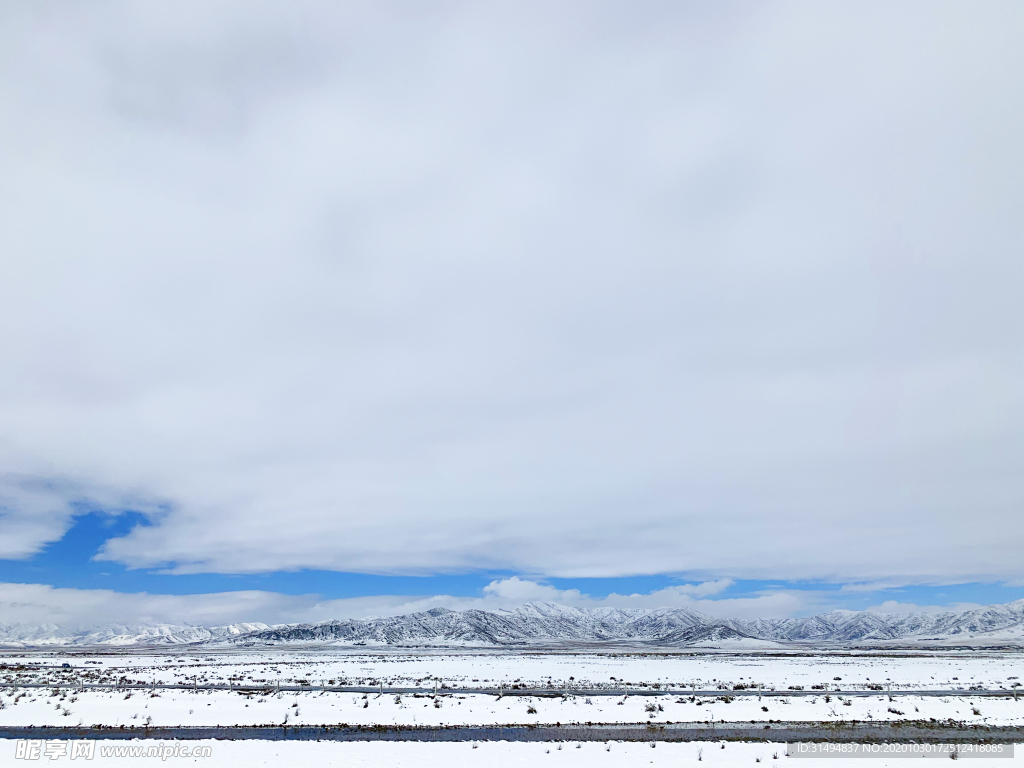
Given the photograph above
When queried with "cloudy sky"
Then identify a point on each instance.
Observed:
(314, 309)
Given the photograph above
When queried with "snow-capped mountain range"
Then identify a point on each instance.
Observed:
(42, 635)
(550, 623)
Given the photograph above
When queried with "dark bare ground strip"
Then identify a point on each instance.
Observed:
(915, 731)
(709, 693)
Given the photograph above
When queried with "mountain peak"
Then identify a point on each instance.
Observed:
(546, 622)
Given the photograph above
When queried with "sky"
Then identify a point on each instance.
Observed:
(313, 310)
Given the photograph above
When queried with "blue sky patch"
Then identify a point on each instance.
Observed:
(69, 563)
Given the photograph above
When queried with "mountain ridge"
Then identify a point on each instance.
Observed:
(542, 622)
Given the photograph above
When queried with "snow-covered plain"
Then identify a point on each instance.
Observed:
(487, 669)
(223, 708)
(572, 680)
(272, 754)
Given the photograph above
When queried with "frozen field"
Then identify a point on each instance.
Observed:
(223, 708)
(935, 671)
(575, 682)
(491, 754)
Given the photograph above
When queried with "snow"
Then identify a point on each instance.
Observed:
(550, 623)
(567, 676)
(487, 669)
(260, 754)
(223, 708)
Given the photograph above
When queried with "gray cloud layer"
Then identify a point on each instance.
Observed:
(580, 289)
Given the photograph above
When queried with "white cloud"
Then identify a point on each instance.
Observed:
(562, 289)
(31, 514)
(517, 590)
(35, 511)
(773, 605)
(767, 605)
(85, 608)
(872, 586)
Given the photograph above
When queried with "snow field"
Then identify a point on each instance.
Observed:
(171, 708)
(256, 754)
(936, 671)
(560, 673)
